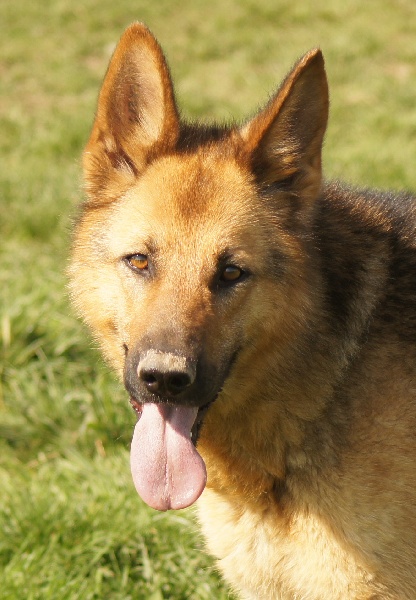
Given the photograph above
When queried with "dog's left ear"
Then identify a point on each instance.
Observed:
(136, 117)
(285, 139)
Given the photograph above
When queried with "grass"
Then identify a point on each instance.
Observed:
(71, 525)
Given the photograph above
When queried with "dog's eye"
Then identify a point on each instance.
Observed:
(138, 262)
(231, 274)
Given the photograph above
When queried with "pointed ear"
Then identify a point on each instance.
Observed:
(284, 140)
(136, 116)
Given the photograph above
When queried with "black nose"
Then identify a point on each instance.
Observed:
(169, 384)
(165, 374)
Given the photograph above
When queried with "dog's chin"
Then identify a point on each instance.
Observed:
(202, 411)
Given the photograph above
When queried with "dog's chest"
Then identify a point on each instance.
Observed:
(265, 557)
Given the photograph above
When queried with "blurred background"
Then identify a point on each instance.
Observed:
(71, 524)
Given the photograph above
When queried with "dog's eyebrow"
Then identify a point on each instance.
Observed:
(275, 263)
(151, 246)
(230, 254)
(135, 245)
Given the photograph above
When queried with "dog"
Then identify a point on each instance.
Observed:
(263, 320)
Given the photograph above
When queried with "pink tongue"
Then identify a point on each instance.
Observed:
(167, 470)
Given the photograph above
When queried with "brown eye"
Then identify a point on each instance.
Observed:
(231, 273)
(139, 262)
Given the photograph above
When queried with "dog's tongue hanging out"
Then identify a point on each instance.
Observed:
(167, 470)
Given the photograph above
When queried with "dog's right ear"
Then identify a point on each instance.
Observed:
(136, 118)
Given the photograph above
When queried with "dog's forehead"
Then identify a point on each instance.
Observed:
(190, 190)
(199, 183)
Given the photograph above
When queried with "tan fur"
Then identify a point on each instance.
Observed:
(310, 444)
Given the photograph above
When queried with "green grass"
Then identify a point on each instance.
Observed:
(71, 524)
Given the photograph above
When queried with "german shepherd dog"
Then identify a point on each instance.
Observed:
(264, 323)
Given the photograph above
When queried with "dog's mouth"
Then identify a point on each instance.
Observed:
(196, 428)
(137, 407)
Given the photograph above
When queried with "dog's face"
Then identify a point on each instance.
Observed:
(179, 267)
(183, 264)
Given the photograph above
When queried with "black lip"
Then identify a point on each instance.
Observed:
(196, 429)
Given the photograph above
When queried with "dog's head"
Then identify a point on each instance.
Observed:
(186, 258)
